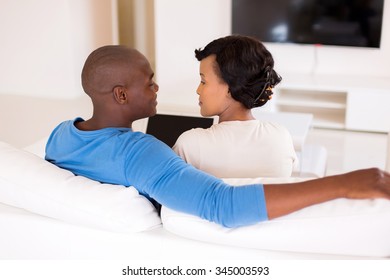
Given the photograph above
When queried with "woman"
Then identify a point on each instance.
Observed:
(237, 74)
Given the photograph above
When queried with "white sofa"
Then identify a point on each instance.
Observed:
(48, 213)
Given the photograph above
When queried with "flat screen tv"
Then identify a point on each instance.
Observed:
(355, 23)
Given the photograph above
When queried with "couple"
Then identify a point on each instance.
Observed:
(119, 81)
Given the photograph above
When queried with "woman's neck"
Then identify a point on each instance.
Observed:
(241, 115)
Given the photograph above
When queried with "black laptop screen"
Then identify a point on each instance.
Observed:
(168, 128)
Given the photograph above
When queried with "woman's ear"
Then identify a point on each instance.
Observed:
(120, 94)
(229, 94)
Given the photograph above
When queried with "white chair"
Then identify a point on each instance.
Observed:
(312, 161)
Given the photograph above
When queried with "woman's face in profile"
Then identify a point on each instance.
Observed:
(214, 96)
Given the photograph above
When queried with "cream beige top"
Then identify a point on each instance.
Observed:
(239, 149)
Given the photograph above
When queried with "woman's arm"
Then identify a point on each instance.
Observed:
(282, 199)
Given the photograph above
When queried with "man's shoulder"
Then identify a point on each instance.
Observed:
(67, 124)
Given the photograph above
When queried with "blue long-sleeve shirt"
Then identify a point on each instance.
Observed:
(122, 156)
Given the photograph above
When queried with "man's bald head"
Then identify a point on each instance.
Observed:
(108, 67)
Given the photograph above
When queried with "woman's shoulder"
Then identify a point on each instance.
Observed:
(193, 138)
(196, 132)
(190, 135)
(272, 126)
(254, 124)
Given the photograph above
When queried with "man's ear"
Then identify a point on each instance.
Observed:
(120, 94)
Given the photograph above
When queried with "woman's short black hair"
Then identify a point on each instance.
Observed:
(246, 66)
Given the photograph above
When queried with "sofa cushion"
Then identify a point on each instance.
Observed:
(337, 227)
(27, 181)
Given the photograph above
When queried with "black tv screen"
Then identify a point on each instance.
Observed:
(355, 23)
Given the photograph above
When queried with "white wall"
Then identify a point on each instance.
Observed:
(44, 43)
(182, 26)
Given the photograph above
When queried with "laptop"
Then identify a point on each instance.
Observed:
(168, 127)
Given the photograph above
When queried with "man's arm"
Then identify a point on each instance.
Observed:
(282, 199)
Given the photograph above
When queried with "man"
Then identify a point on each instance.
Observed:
(119, 81)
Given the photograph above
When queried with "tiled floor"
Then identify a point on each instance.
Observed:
(350, 150)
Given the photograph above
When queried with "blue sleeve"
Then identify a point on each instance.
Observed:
(157, 171)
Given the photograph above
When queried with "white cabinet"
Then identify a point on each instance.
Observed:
(352, 103)
(369, 110)
(328, 107)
